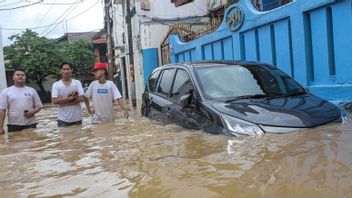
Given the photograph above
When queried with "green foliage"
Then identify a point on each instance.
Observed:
(80, 54)
(38, 56)
(41, 57)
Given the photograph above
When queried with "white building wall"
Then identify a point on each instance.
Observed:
(3, 84)
(137, 55)
(118, 24)
(166, 9)
(146, 33)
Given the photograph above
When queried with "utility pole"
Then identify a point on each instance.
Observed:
(2, 65)
(107, 6)
(130, 49)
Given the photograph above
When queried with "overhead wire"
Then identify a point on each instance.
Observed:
(13, 3)
(44, 26)
(63, 15)
(74, 16)
(23, 6)
(46, 13)
(60, 3)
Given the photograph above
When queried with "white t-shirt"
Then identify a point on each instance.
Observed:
(16, 100)
(103, 96)
(71, 113)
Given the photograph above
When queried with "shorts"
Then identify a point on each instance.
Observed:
(61, 123)
(13, 127)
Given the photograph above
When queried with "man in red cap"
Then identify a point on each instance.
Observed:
(103, 93)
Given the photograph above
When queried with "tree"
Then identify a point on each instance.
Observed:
(80, 54)
(41, 57)
(38, 56)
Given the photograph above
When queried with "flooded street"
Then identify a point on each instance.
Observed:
(140, 158)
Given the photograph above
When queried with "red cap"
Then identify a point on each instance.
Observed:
(100, 66)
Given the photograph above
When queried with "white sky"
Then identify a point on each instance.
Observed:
(45, 14)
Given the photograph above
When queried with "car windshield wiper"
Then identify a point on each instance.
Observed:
(297, 93)
(255, 96)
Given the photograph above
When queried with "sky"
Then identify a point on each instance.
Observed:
(80, 16)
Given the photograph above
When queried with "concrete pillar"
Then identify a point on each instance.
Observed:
(2, 65)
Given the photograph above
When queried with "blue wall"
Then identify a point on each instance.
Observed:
(150, 62)
(309, 40)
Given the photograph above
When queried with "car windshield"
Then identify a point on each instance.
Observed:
(238, 82)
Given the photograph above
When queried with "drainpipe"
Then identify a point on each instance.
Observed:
(130, 50)
(108, 5)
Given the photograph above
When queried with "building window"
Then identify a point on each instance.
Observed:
(265, 5)
(180, 2)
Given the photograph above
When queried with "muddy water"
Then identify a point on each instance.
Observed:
(140, 158)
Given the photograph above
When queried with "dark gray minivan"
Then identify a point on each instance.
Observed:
(234, 98)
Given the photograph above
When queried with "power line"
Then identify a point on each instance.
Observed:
(39, 27)
(13, 3)
(46, 13)
(66, 12)
(6, 9)
(55, 3)
(64, 19)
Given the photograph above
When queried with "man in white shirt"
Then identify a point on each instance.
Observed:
(21, 102)
(68, 93)
(103, 93)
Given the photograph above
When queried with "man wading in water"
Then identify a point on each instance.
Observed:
(68, 94)
(103, 93)
(22, 103)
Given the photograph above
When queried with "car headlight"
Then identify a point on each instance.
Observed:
(237, 126)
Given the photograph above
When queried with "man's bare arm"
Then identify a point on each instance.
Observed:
(69, 100)
(32, 112)
(120, 102)
(2, 119)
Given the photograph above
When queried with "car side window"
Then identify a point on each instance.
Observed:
(152, 82)
(182, 85)
(165, 82)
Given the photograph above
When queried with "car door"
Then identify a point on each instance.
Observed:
(159, 98)
(149, 94)
(183, 116)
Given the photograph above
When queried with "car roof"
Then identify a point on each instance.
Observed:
(207, 63)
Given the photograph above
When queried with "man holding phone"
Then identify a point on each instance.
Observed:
(21, 102)
(68, 93)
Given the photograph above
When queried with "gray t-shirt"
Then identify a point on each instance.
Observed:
(103, 96)
(71, 113)
(16, 100)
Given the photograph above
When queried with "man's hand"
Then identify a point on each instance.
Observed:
(72, 98)
(90, 111)
(29, 113)
(126, 113)
(2, 131)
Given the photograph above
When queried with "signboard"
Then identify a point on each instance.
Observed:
(234, 18)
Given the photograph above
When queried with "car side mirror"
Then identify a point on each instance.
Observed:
(185, 100)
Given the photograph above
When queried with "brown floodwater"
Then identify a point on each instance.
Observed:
(141, 158)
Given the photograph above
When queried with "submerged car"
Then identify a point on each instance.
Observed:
(234, 98)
